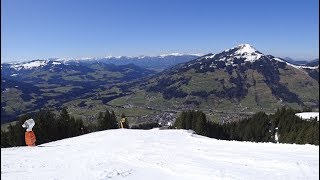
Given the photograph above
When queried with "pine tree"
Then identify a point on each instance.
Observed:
(201, 124)
(188, 120)
(4, 139)
(113, 121)
(45, 128)
(107, 121)
(15, 135)
(62, 124)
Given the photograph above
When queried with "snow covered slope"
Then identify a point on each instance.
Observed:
(158, 154)
(308, 115)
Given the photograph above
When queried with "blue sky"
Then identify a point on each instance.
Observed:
(40, 29)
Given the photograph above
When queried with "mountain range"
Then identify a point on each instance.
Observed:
(41, 83)
(313, 62)
(157, 63)
(238, 80)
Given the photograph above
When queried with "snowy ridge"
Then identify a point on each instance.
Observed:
(242, 51)
(209, 56)
(158, 155)
(124, 57)
(171, 54)
(296, 66)
(30, 65)
(33, 64)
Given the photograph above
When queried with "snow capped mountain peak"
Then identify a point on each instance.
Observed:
(245, 48)
(244, 51)
(238, 55)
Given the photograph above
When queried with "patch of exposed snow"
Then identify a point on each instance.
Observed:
(56, 63)
(245, 48)
(141, 57)
(308, 115)
(276, 137)
(210, 56)
(85, 58)
(65, 59)
(212, 65)
(6, 90)
(196, 54)
(30, 65)
(171, 54)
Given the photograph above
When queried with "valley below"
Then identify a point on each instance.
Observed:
(227, 86)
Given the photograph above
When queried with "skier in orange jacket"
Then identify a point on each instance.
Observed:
(30, 137)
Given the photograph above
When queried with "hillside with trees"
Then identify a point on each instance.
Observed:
(283, 127)
(50, 127)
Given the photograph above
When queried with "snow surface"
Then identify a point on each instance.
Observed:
(245, 48)
(248, 52)
(30, 65)
(158, 154)
(56, 63)
(276, 137)
(33, 64)
(210, 56)
(308, 115)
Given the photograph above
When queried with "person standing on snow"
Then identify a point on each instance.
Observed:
(30, 137)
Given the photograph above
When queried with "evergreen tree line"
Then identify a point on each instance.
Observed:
(293, 129)
(50, 127)
(259, 128)
(195, 120)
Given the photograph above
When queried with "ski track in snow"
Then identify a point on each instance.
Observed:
(158, 154)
